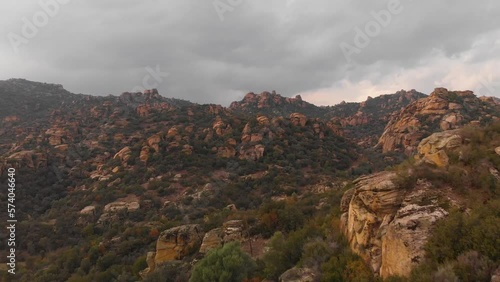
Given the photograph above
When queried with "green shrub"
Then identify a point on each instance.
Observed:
(227, 264)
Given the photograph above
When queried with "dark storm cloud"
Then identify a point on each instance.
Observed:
(104, 47)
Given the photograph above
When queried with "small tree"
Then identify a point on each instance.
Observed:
(227, 264)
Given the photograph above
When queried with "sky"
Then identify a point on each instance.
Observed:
(216, 51)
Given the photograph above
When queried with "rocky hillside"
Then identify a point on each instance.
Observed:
(139, 186)
(390, 218)
(275, 105)
(442, 110)
(365, 122)
(362, 122)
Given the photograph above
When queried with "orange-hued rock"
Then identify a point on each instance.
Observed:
(145, 110)
(256, 137)
(213, 239)
(144, 155)
(231, 230)
(154, 142)
(178, 242)
(262, 120)
(29, 159)
(172, 132)
(231, 142)
(226, 152)
(442, 110)
(56, 135)
(11, 119)
(252, 152)
(388, 225)
(62, 148)
(434, 148)
(220, 127)
(124, 154)
(298, 119)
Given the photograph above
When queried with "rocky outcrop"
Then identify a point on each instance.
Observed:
(123, 155)
(226, 152)
(150, 260)
(231, 230)
(442, 110)
(388, 226)
(29, 159)
(88, 210)
(178, 242)
(298, 119)
(144, 155)
(121, 205)
(252, 153)
(213, 239)
(434, 148)
(299, 275)
(154, 142)
(274, 104)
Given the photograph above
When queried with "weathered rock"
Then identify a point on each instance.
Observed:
(226, 152)
(120, 205)
(434, 148)
(154, 142)
(212, 240)
(144, 155)
(376, 198)
(233, 231)
(150, 260)
(29, 159)
(172, 132)
(88, 210)
(178, 242)
(405, 237)
(299, 275)
(262, 120)
(298, 119)
(388, 226)
(252, 153)
(443, 110)
(346, 200)
(124, 154)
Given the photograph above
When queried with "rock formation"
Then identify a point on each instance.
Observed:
(442, 110)
(434, 148)
(178, 242)
(387, 225)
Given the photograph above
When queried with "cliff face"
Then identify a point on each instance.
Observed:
(442, 110)
(387, 225)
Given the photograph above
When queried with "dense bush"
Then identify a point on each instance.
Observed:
(227, 264)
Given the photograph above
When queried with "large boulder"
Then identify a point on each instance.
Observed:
(298, 119)
(388, 225)
(405, 236)
(213, 239)
(178, 242)
(231, 230)
(434, 148)
(374, 202)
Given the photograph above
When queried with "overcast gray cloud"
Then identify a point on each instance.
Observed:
(291, 46)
